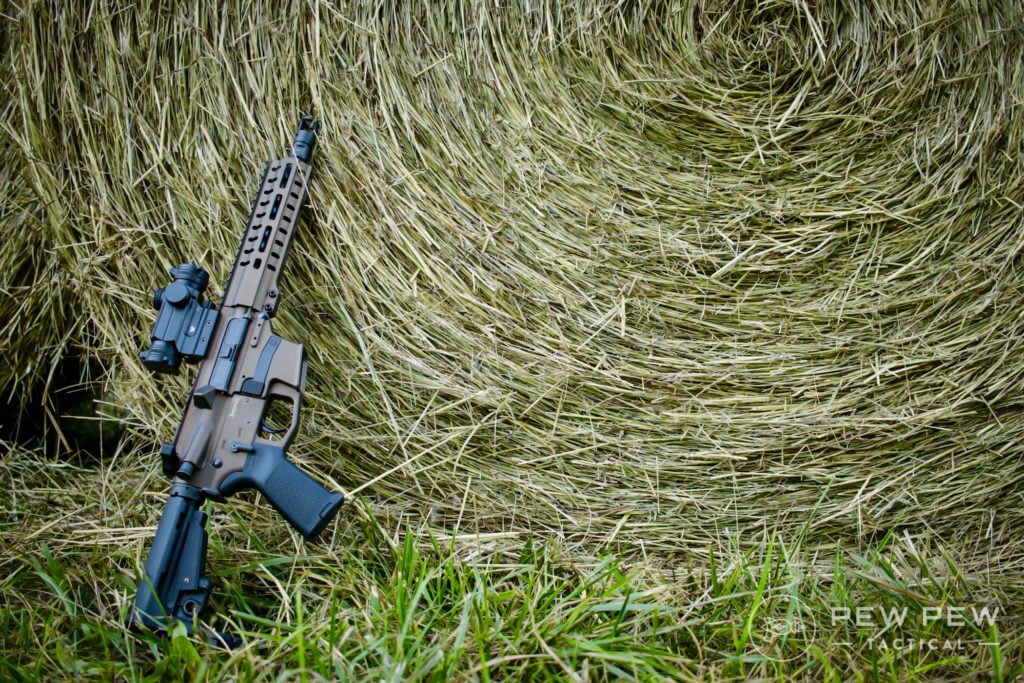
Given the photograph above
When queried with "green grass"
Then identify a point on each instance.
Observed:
(403, 604)
(643, 337)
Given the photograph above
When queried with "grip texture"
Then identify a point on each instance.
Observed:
(300, 499)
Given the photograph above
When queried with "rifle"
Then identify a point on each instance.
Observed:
(223, 443)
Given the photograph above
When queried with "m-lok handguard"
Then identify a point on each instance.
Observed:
(224, 442)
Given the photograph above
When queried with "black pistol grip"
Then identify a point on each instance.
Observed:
(300, 499)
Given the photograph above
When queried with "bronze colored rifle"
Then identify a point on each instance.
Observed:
(224, 442)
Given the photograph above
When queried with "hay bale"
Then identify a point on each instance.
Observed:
(660, 279)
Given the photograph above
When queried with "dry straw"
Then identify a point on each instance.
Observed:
(654, 279)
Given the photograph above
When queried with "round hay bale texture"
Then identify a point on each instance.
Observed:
(35, 287)
(651, 277)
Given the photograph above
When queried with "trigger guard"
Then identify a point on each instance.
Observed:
(281, 391)
(264, 427)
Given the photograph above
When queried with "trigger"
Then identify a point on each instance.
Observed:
(271, 430)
